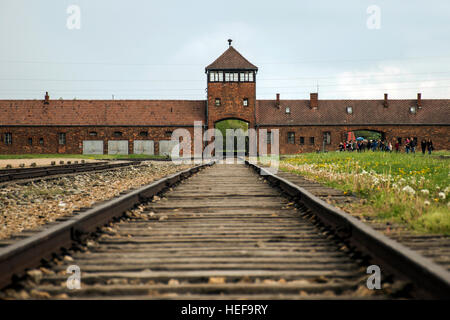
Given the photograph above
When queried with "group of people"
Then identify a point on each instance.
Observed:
(383, 145)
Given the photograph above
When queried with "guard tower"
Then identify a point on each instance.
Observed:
(231, 88)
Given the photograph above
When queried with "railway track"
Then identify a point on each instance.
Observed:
(13, 175)
(433, 246)
(226, 233)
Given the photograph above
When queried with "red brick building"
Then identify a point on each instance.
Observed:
(145, 126)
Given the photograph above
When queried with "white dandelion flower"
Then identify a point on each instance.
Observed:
(409, 190)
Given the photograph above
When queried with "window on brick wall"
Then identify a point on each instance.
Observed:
(93, 134)
(117, 134)
(41, 141)
(245, 102)
(62, 138)
(349, 110)
(269, 137)
(227, 76)
(302, 140)
(169, 133)
(311, 140)
(291, 137)
(217, 102)
(8, 138)
(30, 141)
(327, 137)
(143, 133)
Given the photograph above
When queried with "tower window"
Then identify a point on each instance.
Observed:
(291, 137)
(62, 138)
(245, 102)
(217, 102)
(227, 76)
(242, 79)
(8, 138)
(250, 76)
(215, 76)
(236, 77)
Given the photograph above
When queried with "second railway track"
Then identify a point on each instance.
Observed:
(223, 234)
(24, 174)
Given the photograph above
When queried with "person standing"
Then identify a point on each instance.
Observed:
(397, 146)
(407, 145)
(430, 146)
(423, 145)
(412, 144)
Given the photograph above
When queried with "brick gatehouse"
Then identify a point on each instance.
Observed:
(145, 126)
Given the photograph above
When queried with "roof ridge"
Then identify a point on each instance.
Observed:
(229, 59)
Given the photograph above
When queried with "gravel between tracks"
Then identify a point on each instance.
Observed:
(26, 207)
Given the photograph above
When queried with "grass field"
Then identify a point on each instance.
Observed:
(80, 156)
(406, 188)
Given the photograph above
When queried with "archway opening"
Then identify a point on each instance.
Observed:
(238, 127)
(368, 134)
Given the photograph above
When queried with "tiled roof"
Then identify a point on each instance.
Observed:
(331, 112)
(102, 112)
(231, 59)
(185, 112)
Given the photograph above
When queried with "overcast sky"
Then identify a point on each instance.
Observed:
(136, 49)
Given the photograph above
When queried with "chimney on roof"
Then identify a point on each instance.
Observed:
(47, 98)
(229, 42)
(419, 100)
(386, 104)
(277, 103)
(314, 100)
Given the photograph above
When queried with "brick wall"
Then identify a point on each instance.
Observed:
(438, 134)
(231, 95)
(75, 137)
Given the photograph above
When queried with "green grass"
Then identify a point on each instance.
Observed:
(79, 156)
(380, 178)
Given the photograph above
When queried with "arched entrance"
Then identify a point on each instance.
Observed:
(239, 129)
(367, 134)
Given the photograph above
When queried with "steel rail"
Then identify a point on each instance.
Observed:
(429, 279)
(29, 252)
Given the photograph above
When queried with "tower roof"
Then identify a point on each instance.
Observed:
(231, 59)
